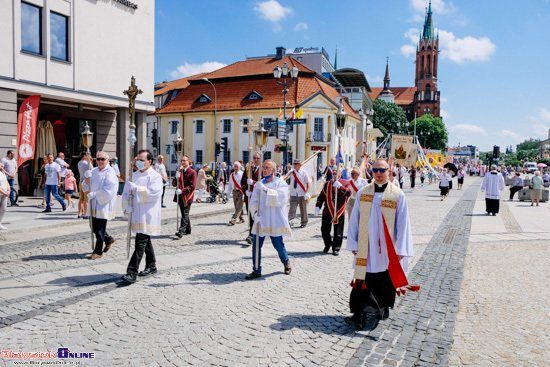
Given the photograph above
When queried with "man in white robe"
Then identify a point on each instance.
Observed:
(101, 185)
(379, 234)
(269, 208)
(492, 185)
(142, 197)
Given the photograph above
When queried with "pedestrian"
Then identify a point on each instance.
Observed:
(412, 175)
(299, 195)
(4, 195)
(536, 192)
(64, 166)
(422, 176)
(460, 177)
(379, 235)
(145, 191)
(517, 185)
(546, 178)
(492, 185)
(70, 186)
(401, 171)
(356, 183)
(85, 164)
(185, 192)
(101, 184)
(330, 169)
(251, 175)
(268, 204)
(444, 180)
(113, 162)
(10, 170)
(201, 182)
(161, 169)
(333, 217)
(53, 182)
(235, 190)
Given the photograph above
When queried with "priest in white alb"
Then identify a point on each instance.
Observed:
(142, 197)
(492, 185)
(269, 208)
(379, 234)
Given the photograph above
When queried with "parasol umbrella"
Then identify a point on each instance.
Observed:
(451, 167)
(541, 165)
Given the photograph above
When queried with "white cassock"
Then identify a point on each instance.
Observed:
(145, 205)
(235, 176)
(492, 185)
(102, 192)
(377, 260)
(273, 208)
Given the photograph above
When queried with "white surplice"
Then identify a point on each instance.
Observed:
(145, 205)
(492, 185)
(102, 196)
(377, 260)
(273, 208)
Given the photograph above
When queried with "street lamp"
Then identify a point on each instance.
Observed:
(216, 124)
(285, 73)
(260, 137)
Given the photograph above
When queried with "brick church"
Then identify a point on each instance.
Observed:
(423, 98)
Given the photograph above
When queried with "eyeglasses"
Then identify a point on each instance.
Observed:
(379, 170)
(101, 159)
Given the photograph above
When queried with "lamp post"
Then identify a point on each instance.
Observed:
(283, 74)
(87, 140)
(178, 148)
(216, 124)
(341, 117)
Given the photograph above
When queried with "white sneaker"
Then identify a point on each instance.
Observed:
(3, 228)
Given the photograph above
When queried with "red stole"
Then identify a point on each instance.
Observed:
(298, 181)
(330, 201)
(236, 184)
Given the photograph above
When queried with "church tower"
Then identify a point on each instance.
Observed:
(426, 98)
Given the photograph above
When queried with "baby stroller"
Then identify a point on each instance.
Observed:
(216, 192)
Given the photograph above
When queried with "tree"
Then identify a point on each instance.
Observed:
(528, 144)
(431, 132)
(389, 118)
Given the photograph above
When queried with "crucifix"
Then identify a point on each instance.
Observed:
(132, 93)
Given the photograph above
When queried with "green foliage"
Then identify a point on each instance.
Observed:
(431, 132)
(511, 159)
(528, 154)
(389, 118)
(529, 144)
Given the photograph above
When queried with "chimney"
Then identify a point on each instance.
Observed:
(280, 53)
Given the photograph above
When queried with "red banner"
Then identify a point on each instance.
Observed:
(26, 129)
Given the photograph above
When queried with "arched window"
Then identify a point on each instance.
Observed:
(429, 71)
(428, 94)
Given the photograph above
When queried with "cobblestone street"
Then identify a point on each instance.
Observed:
(482, 300)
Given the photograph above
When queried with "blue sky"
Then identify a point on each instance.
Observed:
(493, 71)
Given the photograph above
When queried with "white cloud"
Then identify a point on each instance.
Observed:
(445, 115)
(467, 129)
(408, 50)
(444, 100)
(301, 27)
(512, 135)
(464, 49)
(187, 69)
(272, 10)
(438, 6)
(374, 79)
(540, 130)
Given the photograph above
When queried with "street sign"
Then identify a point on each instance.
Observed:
(297, 122)
(319, 148)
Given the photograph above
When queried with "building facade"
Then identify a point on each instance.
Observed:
(243, 94)
(75, 55)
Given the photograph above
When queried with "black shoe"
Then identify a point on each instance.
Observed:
(288, 268)
(163, 206)
(370, 320)
(303, 225)
(14, 204)
(130, 278)
(64, 207)
(249, 240)
(148, 271)
(353, 322)
(325, 250)
(253, 275)
(179, 234)
(108, 245)
(386, 313)
(336, 252)
(46, 211)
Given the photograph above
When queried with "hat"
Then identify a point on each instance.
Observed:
(297, 161)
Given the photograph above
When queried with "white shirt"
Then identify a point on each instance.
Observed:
(83, 166)
(377, 260)
(4, 182)
(161, 169)
(231, 185)
(9, 165)
(359, 184)
(116, 169)
(52, 170)
(492, 185)
(102, 195)
(304, 179)
(272, 206)
(63, 166)
(444, 179)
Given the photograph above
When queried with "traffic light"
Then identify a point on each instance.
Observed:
(154, 138)
(217, 149)
(223, 145)
(496, 151)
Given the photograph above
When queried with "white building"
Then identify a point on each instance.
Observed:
(79, 57)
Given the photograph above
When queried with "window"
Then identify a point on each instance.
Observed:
(246, 156)
(198, 156)
(203, 98)
(168, 149)
(174, 127)
(199, 125)
(31, 28)
(227, 156)
(318, 123)
(226, 126)
(428, 94)
(267, 155)
(59, 36)
(245, 123)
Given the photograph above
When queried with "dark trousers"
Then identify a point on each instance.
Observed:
(326, 226)
(379, 295)
(162, 197)
(401, 184)
(492, 205)
(99, 227)
(11, 182)
(143, 245)
(413, 181)
(185, 223)
(513, 191)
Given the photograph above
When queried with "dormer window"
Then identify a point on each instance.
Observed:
(254, 96)
(203, 98)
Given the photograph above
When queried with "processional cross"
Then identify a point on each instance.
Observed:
(132, 93)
